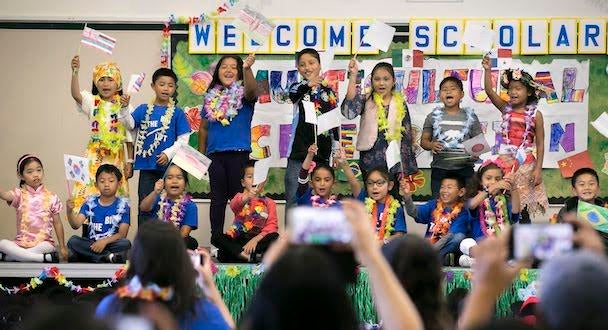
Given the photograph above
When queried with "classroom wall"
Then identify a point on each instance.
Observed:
(145, 10)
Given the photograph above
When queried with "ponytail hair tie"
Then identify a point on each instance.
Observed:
(312, 167)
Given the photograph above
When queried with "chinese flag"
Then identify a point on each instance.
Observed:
(569, 165)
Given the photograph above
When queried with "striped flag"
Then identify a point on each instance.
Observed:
(135, 83)
(96, 39)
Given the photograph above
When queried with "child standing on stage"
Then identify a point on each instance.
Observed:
(159, 125)
(384, 118)
(522, 132)
(447, 217)
(37, 215)
(314, 89)
(106, 219)
(322, 179)
(106, 107)
(444, 130)
(225, 131)
(387, 216)
(492, 209)
(255, 223)
(175, 205)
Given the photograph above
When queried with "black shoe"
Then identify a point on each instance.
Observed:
(114, 258)
(53, 255)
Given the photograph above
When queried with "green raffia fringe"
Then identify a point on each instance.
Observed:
(237, 283)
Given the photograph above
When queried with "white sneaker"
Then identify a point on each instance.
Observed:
(466, 261)
(213, 251)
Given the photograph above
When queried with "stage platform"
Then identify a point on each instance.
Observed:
(236, 282)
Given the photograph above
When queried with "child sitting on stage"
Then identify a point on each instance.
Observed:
(255, 224)
(447, 218)
(105, 219)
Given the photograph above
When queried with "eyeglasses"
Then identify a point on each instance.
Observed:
(378, 183)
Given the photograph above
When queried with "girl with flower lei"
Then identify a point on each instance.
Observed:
(255, 224)
(106, 106)
(522, 134)
(384, 118)
(37, 216)
(322, 179)
(494, 205)
(386, 214)
(225, 130)
(174, 205)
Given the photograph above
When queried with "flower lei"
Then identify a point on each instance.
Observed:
(385, 223)
(120, 210)
(160, 134)
(25, 211)
(455, 141)
(173, 213)
(383, 124)
(319, 94)
(54, 273)
(493, 220)
(318, 201)
(221, 104)
(111, 137)
(135, 290)
(441, 221)
(529, 119)
(252, 213)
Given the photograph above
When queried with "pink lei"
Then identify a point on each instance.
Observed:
(318, 201)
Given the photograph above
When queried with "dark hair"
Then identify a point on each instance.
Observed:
(383, 171)
(110, 169)
(453, 79)
(474, 186)
(386, 66)
(584, 170)
(457, 178)
(417, 266)
(23, 162)
(302, 290)
(49, 315)
(310, 51)
(216, 73)
(532, 98)
(250, 163)
(159, 256)
(184, 173)
(164, 72)
(323, 166)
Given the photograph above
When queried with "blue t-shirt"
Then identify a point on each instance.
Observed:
(305, 199)
(104, 221)
(207, 314)
(190, 214)
(476, 230)
(399, 225)
(233, 137)
(460, 224)
(178, 126)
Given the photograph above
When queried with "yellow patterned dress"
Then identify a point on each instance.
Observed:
(106, 145)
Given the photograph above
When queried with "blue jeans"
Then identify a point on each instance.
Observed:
(147, 179)
(81, 248)
(291, 182)
(449, 244)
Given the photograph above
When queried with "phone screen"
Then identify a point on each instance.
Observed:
(541, 242)
(319, 226)
(196, 258)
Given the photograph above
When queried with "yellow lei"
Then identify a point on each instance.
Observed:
(107, 130)
(389, 226)
(383, 124)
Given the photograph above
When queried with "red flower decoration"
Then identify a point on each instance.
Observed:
(53, 271)
(193, 115)
(415, 181)
(120, 273)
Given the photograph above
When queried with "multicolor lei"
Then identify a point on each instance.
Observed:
(493, 220)
(319, 94)
(455, 141)
(318, 201)
(150, 292)
(386, 225)
(173, 213)
(25, 213)
(441, 221)
(110, 135)
(253, 213)
(222, 103)
(506, 123)
(160, 134)
(383, 124)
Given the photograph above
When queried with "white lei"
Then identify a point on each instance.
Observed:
(141, 134)
(120, 210)
(457, 140)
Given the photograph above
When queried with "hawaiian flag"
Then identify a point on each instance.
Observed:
(254, 24)
(96, 39)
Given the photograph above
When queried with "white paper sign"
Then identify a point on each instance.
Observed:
(327, 58)
(380, 35)
(479, 36)
(601, 124)
(310, 113)
(393, 154)
(260, 171)
(328, 120)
